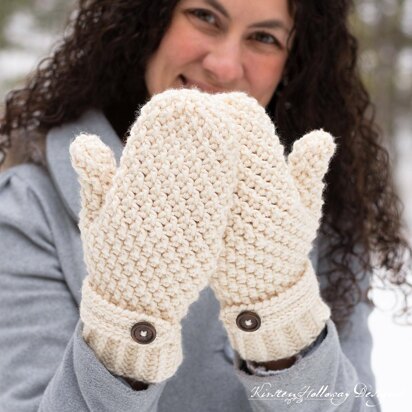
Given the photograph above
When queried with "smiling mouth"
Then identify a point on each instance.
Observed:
(186, 83)
(183, 80)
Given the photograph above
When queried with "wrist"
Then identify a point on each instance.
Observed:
(136, 385)
(276, 365)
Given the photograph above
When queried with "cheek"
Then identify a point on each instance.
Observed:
(265, 75)
(181, 45)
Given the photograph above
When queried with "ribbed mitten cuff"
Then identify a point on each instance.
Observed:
(107, 330)
(289, 322)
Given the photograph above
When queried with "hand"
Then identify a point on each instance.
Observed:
(268, 291)
(152, 229)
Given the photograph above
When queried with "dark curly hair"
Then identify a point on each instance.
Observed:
(100, 63)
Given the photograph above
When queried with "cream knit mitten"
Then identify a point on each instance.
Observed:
(266, 285)
(152, 229)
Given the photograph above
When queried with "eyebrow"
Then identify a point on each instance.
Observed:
(267, 24)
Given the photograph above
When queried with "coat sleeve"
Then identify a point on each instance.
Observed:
(334, 375)
(45, 365)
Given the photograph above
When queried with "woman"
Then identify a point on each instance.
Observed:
(298, 60)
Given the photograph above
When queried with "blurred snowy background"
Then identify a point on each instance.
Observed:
(29, 28)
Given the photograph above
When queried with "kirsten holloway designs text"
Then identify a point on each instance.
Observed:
(267, 392)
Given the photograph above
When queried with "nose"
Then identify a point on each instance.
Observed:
(223, 62)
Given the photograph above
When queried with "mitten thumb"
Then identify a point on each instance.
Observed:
(308, 164)
(95, 165)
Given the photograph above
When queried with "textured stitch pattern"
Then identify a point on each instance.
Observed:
(264, 266)
(152, 228)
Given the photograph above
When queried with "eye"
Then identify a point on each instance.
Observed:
(266, 38)
(204, 15)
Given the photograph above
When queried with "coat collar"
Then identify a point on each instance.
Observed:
(58, 157)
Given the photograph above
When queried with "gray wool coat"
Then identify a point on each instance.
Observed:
(45, 365)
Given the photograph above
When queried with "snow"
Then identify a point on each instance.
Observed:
(391, 355)
(15, 64)
(403, 78)
(16, 33)
(406, 22)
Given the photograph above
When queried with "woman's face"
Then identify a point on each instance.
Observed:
(223, 45)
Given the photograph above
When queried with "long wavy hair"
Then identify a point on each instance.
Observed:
(101, 61)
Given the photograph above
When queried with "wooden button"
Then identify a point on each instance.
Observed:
(248, 321)
(143, 332)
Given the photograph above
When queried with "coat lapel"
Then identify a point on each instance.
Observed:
(58, 157)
